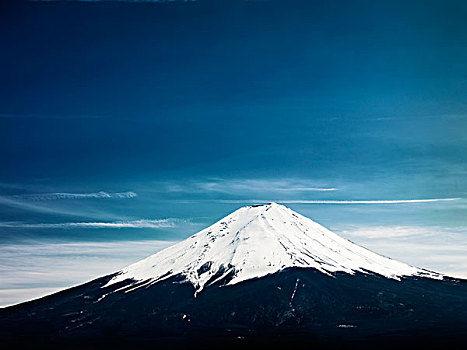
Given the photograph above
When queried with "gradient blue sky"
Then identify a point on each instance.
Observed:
(126, 126)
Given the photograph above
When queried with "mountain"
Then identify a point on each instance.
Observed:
(256, 241)
(263, 275)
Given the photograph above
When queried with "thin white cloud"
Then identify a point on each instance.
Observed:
(304, 189)
(29, 271)
(387, 201)
(441, 249)
(25, 205)
(50, 203)
(160, 223)
(244, 186)
(16, 295)
(385, 232)
(64, 195)
(304, 201)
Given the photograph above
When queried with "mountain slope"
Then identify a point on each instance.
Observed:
(294, 306)
(255, 241)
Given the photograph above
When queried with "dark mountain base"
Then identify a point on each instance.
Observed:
(273, 342)
(296, 307)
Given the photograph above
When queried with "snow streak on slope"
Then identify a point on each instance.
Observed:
(255, 241)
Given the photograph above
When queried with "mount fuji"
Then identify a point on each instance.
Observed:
(256, 241)
(262, 275)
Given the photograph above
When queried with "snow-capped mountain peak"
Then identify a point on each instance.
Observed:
(258, 240)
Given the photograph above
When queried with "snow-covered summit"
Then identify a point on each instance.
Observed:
(258, 240)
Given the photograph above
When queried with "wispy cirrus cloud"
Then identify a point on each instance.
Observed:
(49, 203)
(437, 248)
(398, 231)
(64, 195)
(304, 201)
(28, 206)
(32, 270)
(305, 189)
(243, 186)
(144, 223)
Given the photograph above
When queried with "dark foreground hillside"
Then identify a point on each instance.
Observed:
(295, 307)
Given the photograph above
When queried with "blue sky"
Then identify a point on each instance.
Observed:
(124, 122)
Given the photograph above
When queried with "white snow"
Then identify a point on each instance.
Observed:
(255, 241)
(294, 291)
